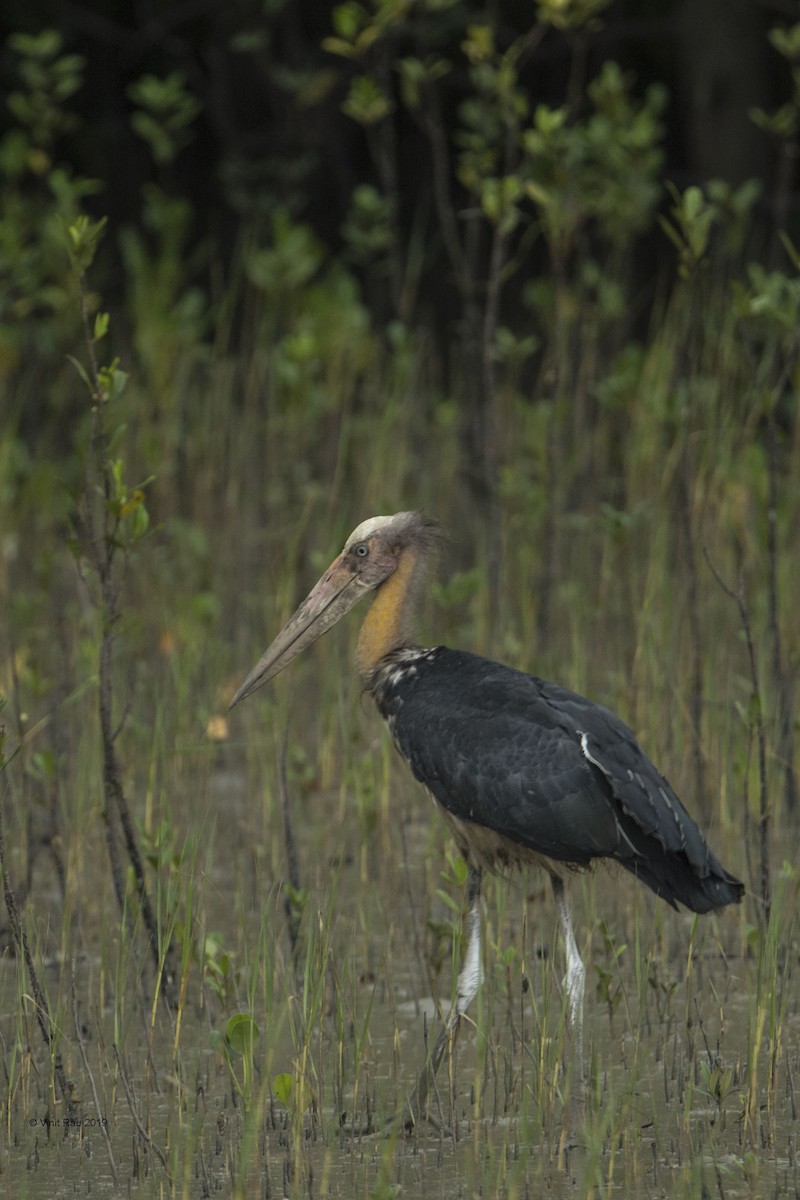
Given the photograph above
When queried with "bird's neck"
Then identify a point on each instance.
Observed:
(387, 625)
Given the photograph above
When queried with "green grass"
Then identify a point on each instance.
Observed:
(671, 1000)
(256, 1082)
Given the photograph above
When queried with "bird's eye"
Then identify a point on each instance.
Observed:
(362, 550)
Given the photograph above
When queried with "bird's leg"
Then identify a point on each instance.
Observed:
(471, 974)
(575, 978)
(469, 980)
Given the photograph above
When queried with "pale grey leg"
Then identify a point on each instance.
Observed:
(575, 978)
(469, 981)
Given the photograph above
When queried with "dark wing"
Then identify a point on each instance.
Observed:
(549, 770)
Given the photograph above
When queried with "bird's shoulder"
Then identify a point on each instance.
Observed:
(464, 686)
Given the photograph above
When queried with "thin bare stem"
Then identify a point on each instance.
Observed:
(290, 902)
(757, 717)
(44, 1018)
(143, 1134)
(781, 678)
(96, 1100)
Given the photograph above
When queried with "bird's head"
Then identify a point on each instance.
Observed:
(372, 555)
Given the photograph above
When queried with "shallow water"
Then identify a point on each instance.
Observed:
(692, 1048)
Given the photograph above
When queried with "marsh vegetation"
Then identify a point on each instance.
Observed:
(228, 937)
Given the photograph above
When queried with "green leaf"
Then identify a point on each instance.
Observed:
(349, 20)
(366, 102)
(786, 41)
(692, 203)
(282, 1087)
(479, 43)
(790, 248)
(79, 367)
(448, 901)
(83, 238)
(338, 46)
(139, 521)
(101, 324)
(241, 1033)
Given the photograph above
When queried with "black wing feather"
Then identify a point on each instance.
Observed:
(549, 770)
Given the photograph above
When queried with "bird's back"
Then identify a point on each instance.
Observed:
(544, 770)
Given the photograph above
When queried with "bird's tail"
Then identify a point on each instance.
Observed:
(677, 881)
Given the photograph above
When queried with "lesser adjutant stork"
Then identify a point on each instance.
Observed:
(525, 771)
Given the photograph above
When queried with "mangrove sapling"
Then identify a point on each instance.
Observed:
(109, 521)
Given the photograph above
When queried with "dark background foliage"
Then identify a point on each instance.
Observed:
(269, 129)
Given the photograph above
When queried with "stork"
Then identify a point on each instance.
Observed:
(524, 770)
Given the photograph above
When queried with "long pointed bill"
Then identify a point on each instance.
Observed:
(336, 593)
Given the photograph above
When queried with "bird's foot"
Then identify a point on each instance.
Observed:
(417, 1106)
